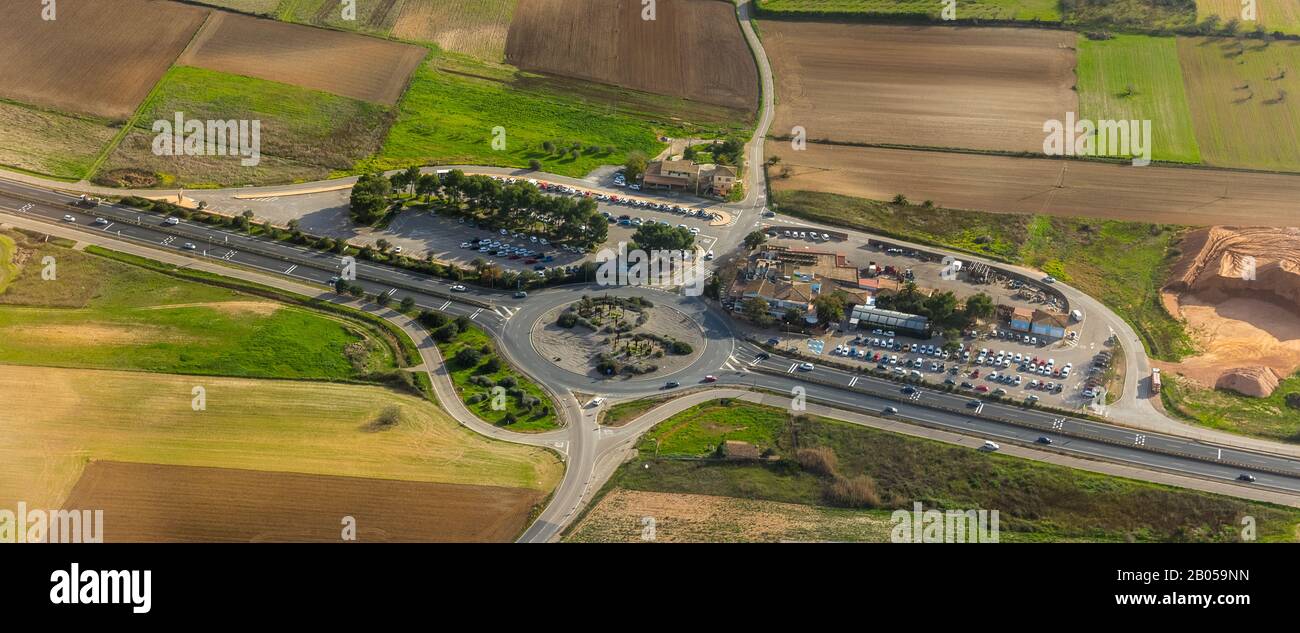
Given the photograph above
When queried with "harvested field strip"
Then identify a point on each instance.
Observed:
(1024, 10)
(691, 518)
(369, 16)
(934, 86)
(1273, 15)
(58, 419)
(692, 49)
(1165, 195)
(473, 27)
(154, 503)
(98, 58)
(344, 64)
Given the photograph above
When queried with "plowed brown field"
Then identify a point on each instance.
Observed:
(157, 503)
(98, 58)
(1188, 196)
(977, 88)
(344, 64)
(692, 49)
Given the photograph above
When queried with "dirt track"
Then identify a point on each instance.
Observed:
(1199, 197)
(980, 88)
(692, 49)
(157, 503)
(99, 58)
(344, 64)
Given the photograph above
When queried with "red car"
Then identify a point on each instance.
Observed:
(982, 389)
(710, 378)
(975, 374)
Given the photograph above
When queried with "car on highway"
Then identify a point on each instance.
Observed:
(806, 367)
(989, 446)
(710, 378)
(672, 384)
(189, 246)
(889, 410)
(1043, 439)
(762, 356)
(521, 295)
(172, 221)
(459, 288)
(69, 218)
(1246, 477)
(101, 221)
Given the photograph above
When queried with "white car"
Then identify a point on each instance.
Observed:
(989, 446)
(172, 221)
(69, 218)
(101, 221)
(458, 288)
(806, 367)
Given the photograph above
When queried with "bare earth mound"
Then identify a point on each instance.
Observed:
(98, 58)
(1170, 195)
(692, 49)
(978, 88)
(346, 64)
(156, 503)
(1239, 290)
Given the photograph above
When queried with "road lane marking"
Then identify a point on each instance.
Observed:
(291, 269)
(444, 306)
(476, 313)
(854, 381)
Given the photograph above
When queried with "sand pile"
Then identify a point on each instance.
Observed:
(1238, 289)
(1223, 261)
(1256, 382)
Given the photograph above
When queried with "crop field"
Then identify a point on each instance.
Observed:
(472, 27)
(345, 64)
(987, 88)
(106, 314)
(453, 105)
(260, 7)
(372, 16)
(1245, 100)
(1035, 500)
(59, 419)
(1165, 195)
(98, 58)
(1137, 77)
(304, 133)
(49, 143)
(1273, 15)
(692, 49)
(1023, 10)
(151, 503)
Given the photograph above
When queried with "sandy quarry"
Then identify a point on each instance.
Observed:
(1244, 326)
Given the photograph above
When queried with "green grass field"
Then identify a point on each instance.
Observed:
(1269, 418)
(50, 144)
(1133, 15)
(1036, 501)
(526, 422)
(1022, 10)
(454, 105)
(1273, 15)
(1108, 69)
(304, 133)
(1245, 101)
(100, 313)
(1123, 264)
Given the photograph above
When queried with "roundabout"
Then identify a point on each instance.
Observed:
(534, 341)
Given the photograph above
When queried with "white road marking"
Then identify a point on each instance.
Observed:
(444, 306)
(291, 269)
(854, 381)
(476, 313)
(792, 368)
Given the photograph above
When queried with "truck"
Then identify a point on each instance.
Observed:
(1155, 380)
